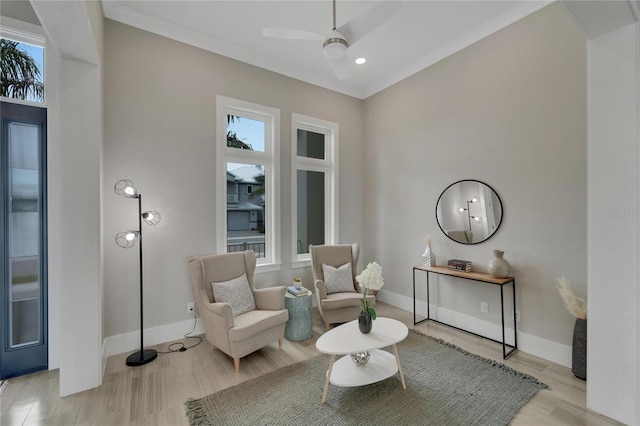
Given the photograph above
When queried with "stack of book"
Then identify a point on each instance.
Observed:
(298, 291)
(459, 265)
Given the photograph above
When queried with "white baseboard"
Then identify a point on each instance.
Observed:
(152, 336)
(534, 345)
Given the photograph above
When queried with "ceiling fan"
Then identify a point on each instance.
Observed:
(338, 41)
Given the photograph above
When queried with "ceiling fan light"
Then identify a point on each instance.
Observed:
(334, 48)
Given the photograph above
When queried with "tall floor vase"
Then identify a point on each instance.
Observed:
(579, 349)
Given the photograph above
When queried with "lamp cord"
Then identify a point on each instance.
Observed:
(179, 346)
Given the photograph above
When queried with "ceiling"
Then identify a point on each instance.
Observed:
(422, 33)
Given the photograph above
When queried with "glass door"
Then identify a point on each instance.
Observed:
(23, 295)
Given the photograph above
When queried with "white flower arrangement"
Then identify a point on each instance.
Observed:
(575, 305)
(370, 279)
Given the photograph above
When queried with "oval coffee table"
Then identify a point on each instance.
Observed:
(347, 339)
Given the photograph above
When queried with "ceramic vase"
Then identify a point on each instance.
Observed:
(579, 349)
(428, 258)
(365, 322)
(498, 266)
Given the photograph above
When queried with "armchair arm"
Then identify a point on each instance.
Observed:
(271, 298)
(220, 310)
(321, 289)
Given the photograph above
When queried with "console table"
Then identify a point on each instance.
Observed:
(473, 276)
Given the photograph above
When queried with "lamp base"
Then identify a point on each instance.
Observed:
(143, 357)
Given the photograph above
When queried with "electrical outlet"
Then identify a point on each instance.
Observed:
(517, 316)
(484, 307)
(190, 307)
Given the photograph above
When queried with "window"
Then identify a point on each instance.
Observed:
(314, 185)
(247, 152)
(22, 65)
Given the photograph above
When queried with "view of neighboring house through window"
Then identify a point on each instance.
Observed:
(314, 184)
(22, 74)
(247, 154)
(245, 210)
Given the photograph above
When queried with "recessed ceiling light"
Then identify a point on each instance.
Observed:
(360, 61)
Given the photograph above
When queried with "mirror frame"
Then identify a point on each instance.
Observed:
(497, 197)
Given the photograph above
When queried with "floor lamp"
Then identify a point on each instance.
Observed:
(469, 217)
(128, 239)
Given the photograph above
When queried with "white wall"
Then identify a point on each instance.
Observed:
(160, 133)
(510, 111)
(614, 231)
(74, 166)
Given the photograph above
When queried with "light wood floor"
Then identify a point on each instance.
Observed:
(155, 394)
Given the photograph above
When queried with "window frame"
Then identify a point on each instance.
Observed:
(26, 33)
(329, 166)
(269, 159)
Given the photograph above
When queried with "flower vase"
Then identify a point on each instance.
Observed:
(579, 349)
(365, 322)
(498, 266)
(428, 258)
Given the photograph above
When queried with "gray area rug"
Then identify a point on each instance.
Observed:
(445, 386)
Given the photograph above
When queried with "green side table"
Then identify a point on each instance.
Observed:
(300, 324)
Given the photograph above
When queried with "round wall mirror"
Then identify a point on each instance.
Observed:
(469, 211)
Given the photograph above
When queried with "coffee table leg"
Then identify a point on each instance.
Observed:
(326, 383)
(395, 352)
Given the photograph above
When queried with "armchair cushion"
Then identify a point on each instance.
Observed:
(253, 323)
(344, 300)
(236, 292)
(338, 280)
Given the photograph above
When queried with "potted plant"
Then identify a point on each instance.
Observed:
(369, 279)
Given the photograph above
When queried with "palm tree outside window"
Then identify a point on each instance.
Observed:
(21, 74)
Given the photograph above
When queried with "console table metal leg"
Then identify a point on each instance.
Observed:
(395, 352)
(414, 297)
(504, 349)
(326, 382)
(428, 304)
(515, 328)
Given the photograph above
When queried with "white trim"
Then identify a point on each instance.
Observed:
(268, 267)
(24, 102)
(534, 345)
(22, 32)
(328, 166)
(54, 154)
(270, 159)
(297, 264)
(26, 33)
(127, 342)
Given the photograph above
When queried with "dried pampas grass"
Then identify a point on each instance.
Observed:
(575, 305)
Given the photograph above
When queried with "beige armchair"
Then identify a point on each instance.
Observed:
(246, 332)
(343, 306)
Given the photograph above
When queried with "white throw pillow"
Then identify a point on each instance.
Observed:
(338, 280)
(235, 292)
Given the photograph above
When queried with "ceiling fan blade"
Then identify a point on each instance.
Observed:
(358, 27)
(291, 33)
(341, 67)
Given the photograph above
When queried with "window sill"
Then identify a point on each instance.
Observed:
(302, 263)
(268, 267)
